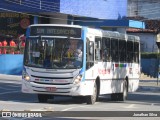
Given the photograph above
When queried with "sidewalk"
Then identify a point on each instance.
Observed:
(10, 77)
(148, 83)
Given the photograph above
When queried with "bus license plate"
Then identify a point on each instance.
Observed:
(51, 89)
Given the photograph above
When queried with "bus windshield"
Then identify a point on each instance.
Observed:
(53, 53)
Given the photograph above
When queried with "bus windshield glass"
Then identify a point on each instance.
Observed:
(53, 53)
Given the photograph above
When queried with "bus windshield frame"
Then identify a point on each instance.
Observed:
(53, 52)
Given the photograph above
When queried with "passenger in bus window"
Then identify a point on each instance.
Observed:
(4, 44)
(78, 54)
(47, 61)
(78, 57)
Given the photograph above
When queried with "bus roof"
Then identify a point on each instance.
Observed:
(62, 25)
(110, 34)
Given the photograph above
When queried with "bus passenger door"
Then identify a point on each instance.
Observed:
(89, 54)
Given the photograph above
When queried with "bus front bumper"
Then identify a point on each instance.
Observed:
(81, 89)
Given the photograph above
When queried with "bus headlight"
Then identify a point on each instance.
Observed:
(78, 79)
(25, 76)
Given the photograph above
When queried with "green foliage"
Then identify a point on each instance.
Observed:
(149, 55)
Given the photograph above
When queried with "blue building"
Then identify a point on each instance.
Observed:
(16, 15)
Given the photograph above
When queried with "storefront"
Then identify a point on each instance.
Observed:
(12, 41)
(12, 32)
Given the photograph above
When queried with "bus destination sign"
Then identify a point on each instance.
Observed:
(55, 31)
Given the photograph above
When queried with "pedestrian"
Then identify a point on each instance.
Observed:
(12, 45)
(4, 44)
(0, 47)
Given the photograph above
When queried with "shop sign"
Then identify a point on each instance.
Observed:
(14, 23)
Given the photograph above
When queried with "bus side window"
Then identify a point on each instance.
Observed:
(129, 51)
(106, 51)
(89, 54)
(114, 50)
(136, 52)
(122, 50)
(98, 55)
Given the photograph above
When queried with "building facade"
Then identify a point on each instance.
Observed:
(147, 11)
(144, 8)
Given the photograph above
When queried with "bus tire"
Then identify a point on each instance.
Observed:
(43, 98)
(123, 96)
(92, 98)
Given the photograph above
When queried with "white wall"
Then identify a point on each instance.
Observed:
(148, 42)
(121, 30)
(59, 19)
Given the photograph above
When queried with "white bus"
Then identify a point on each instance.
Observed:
(108, 62)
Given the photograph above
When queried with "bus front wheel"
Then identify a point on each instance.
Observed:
(92, 98)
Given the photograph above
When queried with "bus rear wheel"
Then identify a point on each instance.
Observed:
(123, 96)
(43, 98)
(92, 98)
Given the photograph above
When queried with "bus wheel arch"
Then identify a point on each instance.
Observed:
(98, 86)
(123, 96)
(127, 82)
(91, 99)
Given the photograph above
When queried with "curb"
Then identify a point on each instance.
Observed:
(10, 77)
(149, 88)
(148, 81)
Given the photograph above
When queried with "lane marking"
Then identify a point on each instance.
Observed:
(71, 108)
(14, 86)
(131, 106)
(6, 88)
(9, 81)
(152, 104)
(9, 92)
